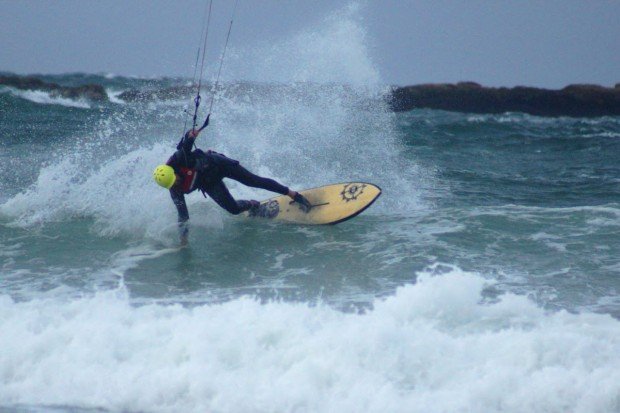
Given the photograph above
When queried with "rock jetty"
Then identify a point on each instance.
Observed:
(573, 100)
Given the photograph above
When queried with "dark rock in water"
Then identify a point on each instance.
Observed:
(174, 92)
(573, 100)
(91, 92)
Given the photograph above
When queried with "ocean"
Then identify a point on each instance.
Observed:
(486, 278)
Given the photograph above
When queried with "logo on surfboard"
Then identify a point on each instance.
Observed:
(350, 192)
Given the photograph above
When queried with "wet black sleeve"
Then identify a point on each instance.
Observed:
(186, 144)
(179, 201)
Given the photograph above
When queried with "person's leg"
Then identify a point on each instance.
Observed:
(247, 178)
(220, 194)
(237, 172)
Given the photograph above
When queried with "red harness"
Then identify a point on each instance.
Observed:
(188, 178)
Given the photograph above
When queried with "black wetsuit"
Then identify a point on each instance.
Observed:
(207, 170)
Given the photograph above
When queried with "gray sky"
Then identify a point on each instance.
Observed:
(547, 43)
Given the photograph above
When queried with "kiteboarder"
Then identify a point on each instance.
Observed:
(188, 170)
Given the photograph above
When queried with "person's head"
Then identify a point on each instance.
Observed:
(164, 176)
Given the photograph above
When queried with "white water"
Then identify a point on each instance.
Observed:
(45, 98)
(434, 346)
(113, 95)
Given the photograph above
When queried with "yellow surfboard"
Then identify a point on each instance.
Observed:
(331, 204)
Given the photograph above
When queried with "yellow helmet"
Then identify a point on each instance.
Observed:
(164, 176)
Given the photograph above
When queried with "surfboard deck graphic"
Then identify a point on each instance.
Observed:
(332, 204)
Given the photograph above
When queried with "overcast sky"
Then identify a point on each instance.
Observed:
(548, 43)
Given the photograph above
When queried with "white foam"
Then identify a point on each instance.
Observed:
(120, 195)
(432, 347)
(45, 98)
(606, 134)
(113, 95)
(524, 118)
(552, 241)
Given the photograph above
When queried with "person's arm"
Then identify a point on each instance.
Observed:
(187, 142)
(179, 201)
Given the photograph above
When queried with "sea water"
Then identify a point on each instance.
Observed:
(486, 278)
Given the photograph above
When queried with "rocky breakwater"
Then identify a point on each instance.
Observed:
(91, 92)
(470, 97)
